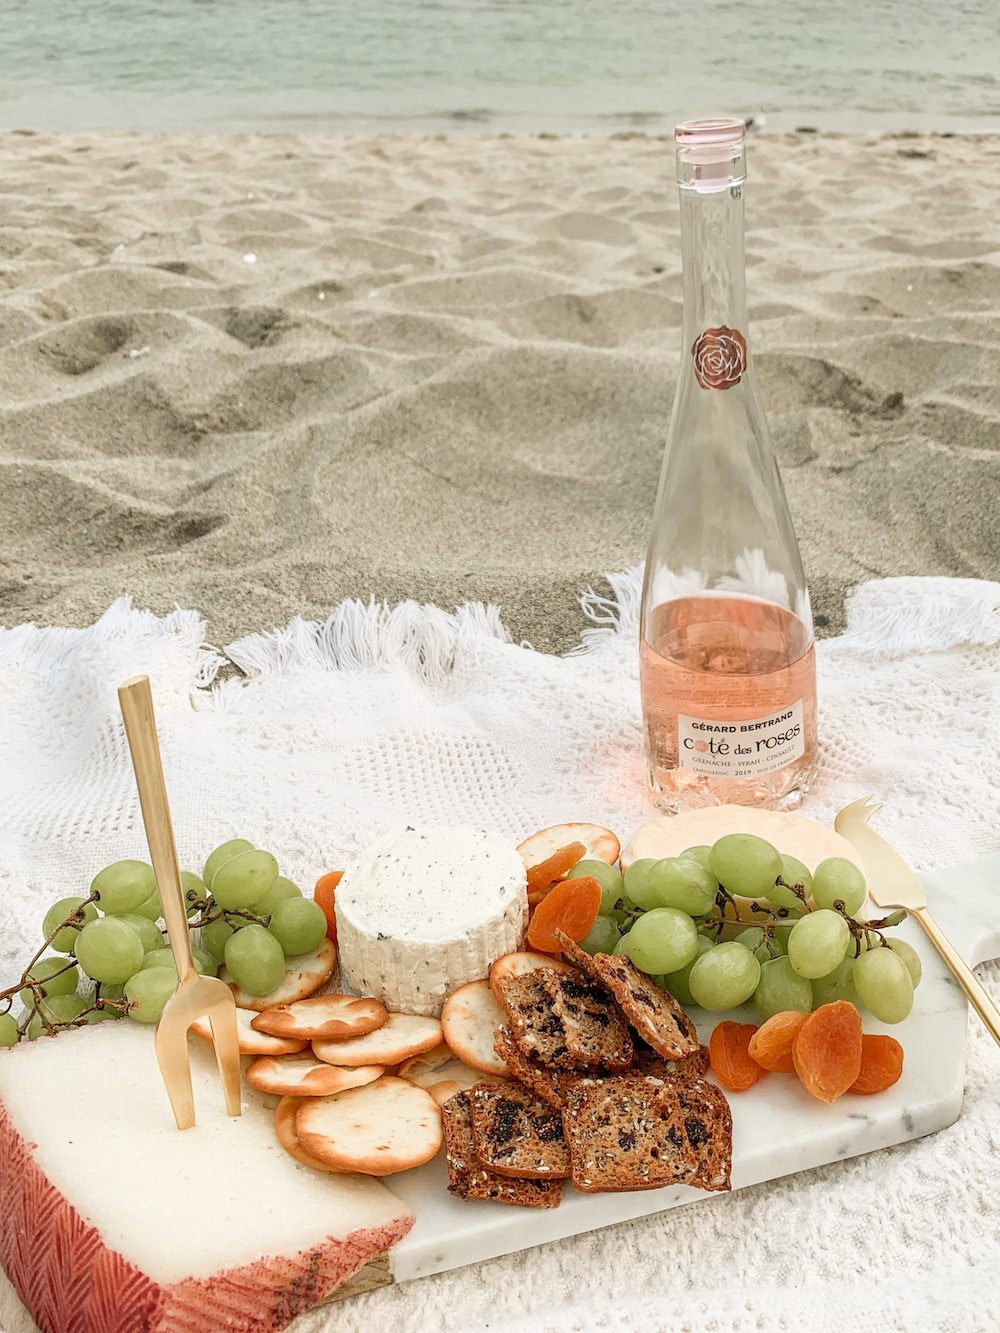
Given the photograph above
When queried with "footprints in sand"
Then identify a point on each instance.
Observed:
(316, 368)
(82, 344)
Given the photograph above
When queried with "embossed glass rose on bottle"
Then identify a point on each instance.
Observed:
(727, 665)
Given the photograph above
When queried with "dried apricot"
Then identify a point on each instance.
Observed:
(729, 1056)
(572, 907)
(323, 893)
(771, 1044)
(881, 1064)
(558, 865)
(827, 1050)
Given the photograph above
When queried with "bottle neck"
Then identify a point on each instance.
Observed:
(712, 245)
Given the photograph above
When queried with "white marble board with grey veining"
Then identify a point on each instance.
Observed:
(778, 1128)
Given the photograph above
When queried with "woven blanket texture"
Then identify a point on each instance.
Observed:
(380, 718)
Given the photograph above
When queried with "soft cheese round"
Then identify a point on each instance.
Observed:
(423, 911)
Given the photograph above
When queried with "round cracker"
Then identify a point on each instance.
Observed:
(444, 1091)
(516, 964)
(401, 1036)
(469, 1022)
(305, 1076)
(329, 1017)
(284, 1127)
(304, 975)
(419, 1067)
(385, 1127)
(441, 1065)
(600, 843)
(252, 1042)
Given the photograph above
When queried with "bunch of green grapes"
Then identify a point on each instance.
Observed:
(250, 917)
(667, 916)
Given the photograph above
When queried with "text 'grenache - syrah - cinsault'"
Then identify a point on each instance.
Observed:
(727, 662)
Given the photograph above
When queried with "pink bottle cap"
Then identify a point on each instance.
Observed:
(726, 130)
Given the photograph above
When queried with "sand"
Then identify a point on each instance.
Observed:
(257, 374)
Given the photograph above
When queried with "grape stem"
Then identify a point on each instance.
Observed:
(209, 911)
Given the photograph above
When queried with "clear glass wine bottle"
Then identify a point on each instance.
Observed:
(727, 661)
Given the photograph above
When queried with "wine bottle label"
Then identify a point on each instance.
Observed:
(720, 358)
(745, 749)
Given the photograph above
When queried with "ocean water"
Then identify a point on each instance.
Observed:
(561, 65)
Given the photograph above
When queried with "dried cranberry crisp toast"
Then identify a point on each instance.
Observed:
(651, 1011)
(467, 1179)
(566, 1021)
(517, 1134)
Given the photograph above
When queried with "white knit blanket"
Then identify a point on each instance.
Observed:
(381, 718)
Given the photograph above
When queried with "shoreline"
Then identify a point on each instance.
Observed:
(78, 111)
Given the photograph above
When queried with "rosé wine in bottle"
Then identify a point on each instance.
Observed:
(727, 663)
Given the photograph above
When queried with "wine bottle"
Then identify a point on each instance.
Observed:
(727, 661)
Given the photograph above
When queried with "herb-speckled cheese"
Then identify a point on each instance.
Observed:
(423, 911)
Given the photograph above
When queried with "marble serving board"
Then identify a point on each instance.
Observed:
(778, 1128)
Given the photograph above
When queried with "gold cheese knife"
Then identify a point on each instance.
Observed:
(195, 996)
(891, 883)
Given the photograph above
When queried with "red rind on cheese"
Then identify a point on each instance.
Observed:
(71, 1282)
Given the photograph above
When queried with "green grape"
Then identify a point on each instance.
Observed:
(299, 925)
(910, 957)
(745, 864)
(754, 939)
(780, 988)
(8, 1030)
(151, 909)
(837, 985)
(835, 879)
(124, 886)
(65, 940)
(724, 977)
(243, 879)
(680, 882)
(701, 854)
(161, 957)
(255, 959)
(792, 872)
(622, 946)
(636, 878)
(64, 984)
(601, 938)
(214, 937)
(782, 931)
(194, 887)
(663, 940)
(280, 891)
(148, 992)
(818, 942)
(148, 931)
(165, 958)
(61, 1011)
(884, 984)
(610, 880)
(109, 950)
(221, 855)
(203, 961)
(677, 983)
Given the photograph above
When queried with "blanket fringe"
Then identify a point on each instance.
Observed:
(418, 639)
(889, 618)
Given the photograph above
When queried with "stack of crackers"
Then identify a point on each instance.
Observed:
(608, 1090)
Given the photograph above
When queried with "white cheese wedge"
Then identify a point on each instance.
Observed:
(116, 1222)
(423, 911)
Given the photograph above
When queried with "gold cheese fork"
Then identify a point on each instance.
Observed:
(196, 996)
(891, 883)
